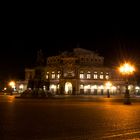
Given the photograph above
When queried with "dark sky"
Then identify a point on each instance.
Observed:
(113, 41)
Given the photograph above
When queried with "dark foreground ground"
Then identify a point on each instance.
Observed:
(80, 118)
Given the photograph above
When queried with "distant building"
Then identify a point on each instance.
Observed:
(21, 86)
(80, 72)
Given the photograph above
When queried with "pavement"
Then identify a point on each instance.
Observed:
(69, 118)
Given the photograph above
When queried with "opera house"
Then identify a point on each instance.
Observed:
(80, 72)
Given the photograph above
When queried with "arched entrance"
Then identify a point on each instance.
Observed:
(68, 88)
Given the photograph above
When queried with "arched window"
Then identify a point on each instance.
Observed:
(95, 75)
(58, 74)
(101, 75)
(53, 75)
(88, 75)
(107, 76)
(81, 75)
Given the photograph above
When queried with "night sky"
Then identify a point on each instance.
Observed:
(115, 42)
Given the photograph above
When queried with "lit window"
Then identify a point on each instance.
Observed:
(53, 88)
(21, 86)
(81, 86)
(88, 75)
(44, 87)
(53, 75)
(47, 76)
(81, 75)
(101, 76)
(107, 77)
(95, 75)
(58, 76)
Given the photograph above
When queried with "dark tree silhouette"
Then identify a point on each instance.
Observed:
(40, 58)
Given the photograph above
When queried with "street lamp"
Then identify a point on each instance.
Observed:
(12, 84)
(108, 86)
(126, 70)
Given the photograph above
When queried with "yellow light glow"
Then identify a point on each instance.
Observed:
(101, 87)
(126, 69)
(21, 86)
(113, 88)
(68, 87)
(5, 88)
(94, 87)
(87, 87)
(129, 87)
(12, 84)
(137, 88)
(108, 85)
(53, 86)
(81, 86)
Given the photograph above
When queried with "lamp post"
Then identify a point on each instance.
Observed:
(126, 70)
(108, 85)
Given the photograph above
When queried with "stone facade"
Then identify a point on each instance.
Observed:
(80, 72)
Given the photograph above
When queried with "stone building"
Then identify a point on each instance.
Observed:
(80, 72)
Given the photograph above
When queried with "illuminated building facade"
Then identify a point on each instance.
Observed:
(80, 72)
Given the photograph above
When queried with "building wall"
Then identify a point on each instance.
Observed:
(21, 86)
(81, 72)
(29, 74)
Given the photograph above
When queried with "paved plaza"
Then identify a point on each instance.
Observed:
(64, 118)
